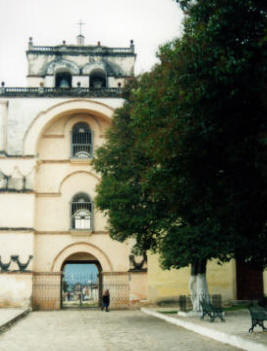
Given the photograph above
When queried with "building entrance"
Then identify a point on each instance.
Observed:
(81, 285)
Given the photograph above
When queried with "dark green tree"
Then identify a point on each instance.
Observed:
(121, 193)
(184, 167)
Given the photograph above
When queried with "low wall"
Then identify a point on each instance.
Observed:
(16, 289)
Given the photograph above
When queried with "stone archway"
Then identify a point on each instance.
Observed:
(85, 254)
(47, 286)
(85, 248)
(41, 121)
(81, 285)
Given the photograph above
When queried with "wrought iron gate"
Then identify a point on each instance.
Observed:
(81, 290)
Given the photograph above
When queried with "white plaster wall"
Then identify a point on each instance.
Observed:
(3, 124)
(80, 60)
(34, 82)
(16, 243)
(16, 287)
(17, 210)
(113, 82)
(15, 290)
(24, 165)
(84, 80)
(49, 81)
(126, 64)
(38, 63)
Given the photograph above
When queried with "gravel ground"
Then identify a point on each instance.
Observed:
(100, 331)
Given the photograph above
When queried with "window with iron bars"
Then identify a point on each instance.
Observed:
(81, 141)
(81, 212)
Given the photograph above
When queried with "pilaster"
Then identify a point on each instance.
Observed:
(3, 125)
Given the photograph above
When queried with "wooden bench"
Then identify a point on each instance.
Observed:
(211, 311)
(258, 316)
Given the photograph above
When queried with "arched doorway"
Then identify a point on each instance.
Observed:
(81, 284)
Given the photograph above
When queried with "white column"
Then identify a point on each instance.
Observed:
(3, 124)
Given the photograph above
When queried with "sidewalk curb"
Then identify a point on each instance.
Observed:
(13, 320)
(230, 339)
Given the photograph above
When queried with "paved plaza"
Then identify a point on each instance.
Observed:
(100, 331)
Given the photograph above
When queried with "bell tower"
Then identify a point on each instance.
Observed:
(68, 66)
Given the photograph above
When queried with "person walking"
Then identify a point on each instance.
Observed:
(105, 301)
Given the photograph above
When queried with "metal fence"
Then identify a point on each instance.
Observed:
(83, 290)
(46, 292)
(119, 294)
(185, 302)
(59, 92)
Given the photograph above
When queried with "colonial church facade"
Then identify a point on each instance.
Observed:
(49, 132)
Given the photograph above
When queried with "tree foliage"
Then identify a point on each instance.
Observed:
(184, 167)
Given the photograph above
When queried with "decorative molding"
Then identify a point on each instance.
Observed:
(16, 181)
(5, 155)
(80, 160)
(47, 273)
(54, 161)
(69, 160)
(47, 194)
(51, 232)
(53, 136)
(22, 267)
(26, 191)
(15, 229)
(69, 232)
(138, 266)
(17, 272)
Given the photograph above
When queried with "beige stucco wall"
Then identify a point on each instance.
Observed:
(58, 179)
(53, 210)
(112, 255)
(165, 284)
(172, 283)
(138, 286)
(16, 243)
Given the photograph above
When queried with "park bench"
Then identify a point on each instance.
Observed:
(211, 311)
(258, 316)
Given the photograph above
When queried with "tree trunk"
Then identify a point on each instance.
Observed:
(198, 284)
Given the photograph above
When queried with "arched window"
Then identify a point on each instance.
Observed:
(81, 141)
(63, 80)
(98, 80)
(81, 212)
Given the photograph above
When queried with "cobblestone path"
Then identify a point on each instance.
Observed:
(100, 331)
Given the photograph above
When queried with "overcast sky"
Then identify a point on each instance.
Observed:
(114, 23)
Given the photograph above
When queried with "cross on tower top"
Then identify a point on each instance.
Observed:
(81, 24)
